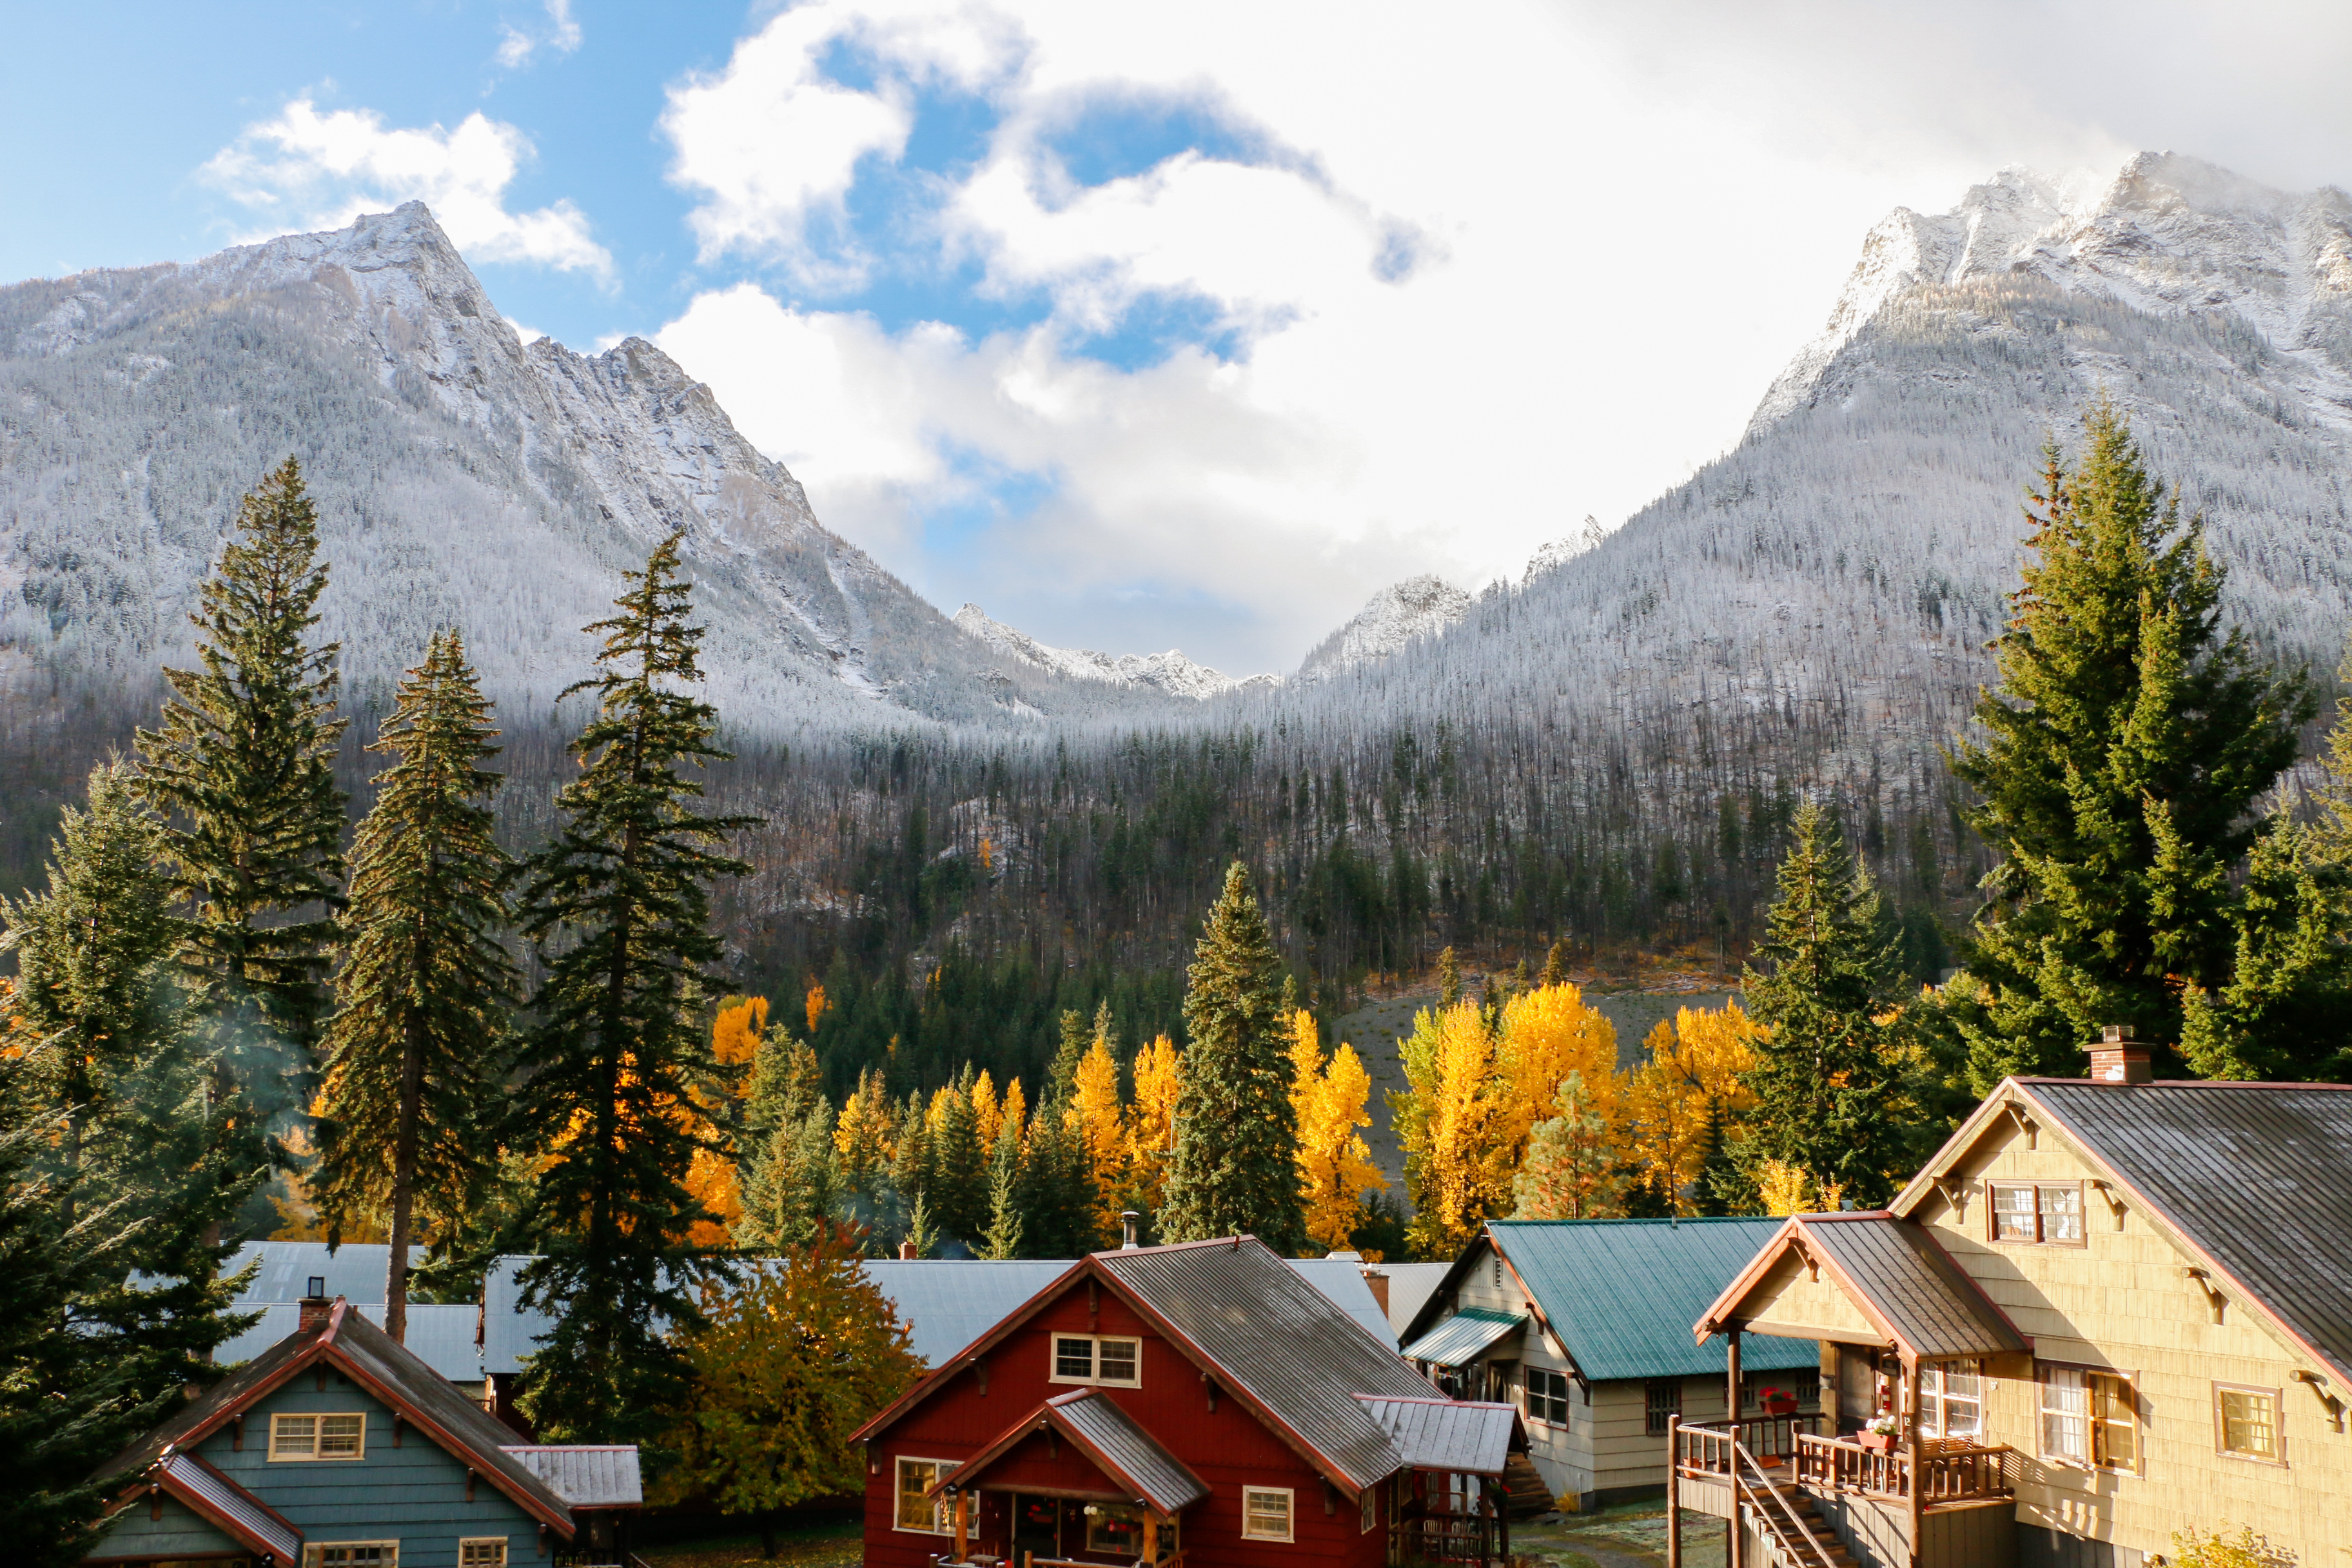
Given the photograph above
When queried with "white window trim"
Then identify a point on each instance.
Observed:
(1289, 1513)
(315, 1552)
(939, 1510)
(497, 1541)
(314, 1457)
(1054, 1360)
(2277, 1397)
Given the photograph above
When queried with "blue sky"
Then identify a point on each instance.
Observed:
(1151, 326)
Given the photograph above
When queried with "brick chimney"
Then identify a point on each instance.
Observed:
(316, 1308)
(2119, 1058)
(1377, 1280)
(907, 1251)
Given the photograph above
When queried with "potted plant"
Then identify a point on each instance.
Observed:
(1878, 1434)
(1777, 1401)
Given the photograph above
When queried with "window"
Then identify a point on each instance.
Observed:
(2049, 1212)
(2065, 1415)
(1951, 1400)
(2115, 1421)
(331, 1436)
(1661, 1398)
(2246, 1423)
(1498, 1271)
(352, 1554)
(1371, 1509)
(1546, 1398)
(1098, 1357)
(915, 1512)
(489, 1554)
(2089, 1418)
(1266, 1513)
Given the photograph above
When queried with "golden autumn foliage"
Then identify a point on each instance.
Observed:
(1152, 1124)
(1449, 1119)
(1100, 1122)
(735, 1034)
(1547, 1034)
(815, 1008)
(1016, 1113)
(865, 1136)
(1689, 1089)
(1335, 1167)
(987, 1114)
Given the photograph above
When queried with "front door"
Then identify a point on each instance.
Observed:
(1037, 1527)
(1857, 1387)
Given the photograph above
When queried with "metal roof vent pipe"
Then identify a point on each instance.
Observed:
(2119, 1058)
(1127, 1218)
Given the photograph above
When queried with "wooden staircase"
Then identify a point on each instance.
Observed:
(1525, 1493)
(1795, 1534)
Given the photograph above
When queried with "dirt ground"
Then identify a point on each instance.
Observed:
(825, 1546)
(1632, 1535)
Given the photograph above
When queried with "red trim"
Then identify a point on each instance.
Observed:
(1792, 1233)
(1049, 1413)
(159, 1477)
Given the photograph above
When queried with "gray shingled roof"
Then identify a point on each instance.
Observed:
(1129, 1453)
(2257, 1177)
(1281, 1341)
(1448, 1434)
(1932, 1306)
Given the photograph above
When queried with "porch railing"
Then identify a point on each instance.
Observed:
(1948, 1471)
(1451, 1537)
(1709, 1447)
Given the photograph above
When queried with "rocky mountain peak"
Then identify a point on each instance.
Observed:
(1421, 606)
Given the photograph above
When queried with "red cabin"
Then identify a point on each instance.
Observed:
(1199, 1402)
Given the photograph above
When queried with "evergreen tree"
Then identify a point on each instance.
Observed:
(1063, 1081)
(1449, 979)
(959, 1192)
(1054, 1193)
(2129, 740)
(243, 771)
(410, 1061)
(1826, 1076)
(1555, 969)
(1235, 1168)
(794, 1186)
(1003, 1238)
(617, 905)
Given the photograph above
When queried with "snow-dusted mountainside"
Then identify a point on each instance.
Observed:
(1422, 606)
(462, 478)
(1817, 602)
(1170, 673)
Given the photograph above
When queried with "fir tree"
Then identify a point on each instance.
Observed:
(410, 1051)
(794, 1186)
(1054, 1193)
(1826, 1076)
(1235, 1168)
(1003, 1238)
(2129, 740)
(1449, 979)
(958, 1192)
(1555, 969)
(243, 771)
(618, 907)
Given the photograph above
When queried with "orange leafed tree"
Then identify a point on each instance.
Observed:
(1152, 1127)
(1335, 1167)
(1686, 1092)
(1100, 1122)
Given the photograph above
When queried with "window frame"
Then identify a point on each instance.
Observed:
(1992, 1213)
(1942, 1371)
(1653, 1418)
(2278, 1424)
(1369, 1506)
(467, 1542)
(280, 1455)
(942, 1513)
(1537, 1408)
(2043, 1384)
(1093, 1342)
(2129, 1382)
(314, 1553)
(1289, 1514)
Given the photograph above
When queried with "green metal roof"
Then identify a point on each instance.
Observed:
(1463, 1337)
(1621, 1294)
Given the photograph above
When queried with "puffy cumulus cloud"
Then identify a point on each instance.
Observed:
(1441, 289)
(561, 32)
(306, 169)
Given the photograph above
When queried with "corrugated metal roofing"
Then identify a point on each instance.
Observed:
(1133, 1455)
(1934, 1308)
(1621, 1294)
(355, 1271)
(440, 1336)
(1284, 1341)
(585, 1475)
(1448, 1434)
(1342, 1280)
(1410, 1285)
(2258, 1177)
(244, 1512)
(1465, 1336)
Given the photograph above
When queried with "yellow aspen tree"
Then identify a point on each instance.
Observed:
(736, 1032)
(1548, 1034)
(865, 1139)
(1462, 1173)
(1785, 1188)
(1151, 1125)
(1687, 1098)
(987, 1113)
(1100, 1122)
(1335, 1167)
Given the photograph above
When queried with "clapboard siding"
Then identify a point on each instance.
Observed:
(180, 1532)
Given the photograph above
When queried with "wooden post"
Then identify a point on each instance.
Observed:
(1151, 1527)
(963, 1516)
(1674, 1491)
(1910, 1399)
(1731, 1379)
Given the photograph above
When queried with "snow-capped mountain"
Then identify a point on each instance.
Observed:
(462, 478)
(1168, 672)
(1422, 606)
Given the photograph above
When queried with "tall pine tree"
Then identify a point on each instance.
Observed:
(243, 773)
(2130, 740)
(1235, 1168)
(1827, 1076)
(618, 905)
(410, 1051)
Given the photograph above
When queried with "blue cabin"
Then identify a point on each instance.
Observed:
(338, 1447)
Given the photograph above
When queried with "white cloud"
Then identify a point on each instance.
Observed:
(306, 169)
(1626, 219)
(562, 34)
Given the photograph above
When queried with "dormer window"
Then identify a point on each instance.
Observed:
(2048, 1214)
(1110, 1359)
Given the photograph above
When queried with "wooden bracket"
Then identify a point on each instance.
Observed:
(979, 1365)
(2334, 1406)
(395, 1428)
(154, 1502)
(321, 1369)
(2025, 1125)
(2116, 1206)
(237, 1432)
(1954, 1191)
(2214, 1298)
(469, 1483)
(1211, 1384)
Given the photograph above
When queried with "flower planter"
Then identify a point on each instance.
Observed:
(1779, 1407)
(1877, 1442)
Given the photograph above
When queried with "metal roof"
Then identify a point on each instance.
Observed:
(1126, 1451)
(2256, 1176)
(355, 1271)
(1410, 1285)
(1912, 1284)
(1461, 1435)
(1278, 1341)
(442, 1337)
(227, 1504)
(1620, 1295)
(1342, 1280)
(585, 1475)
(1465, 1336)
